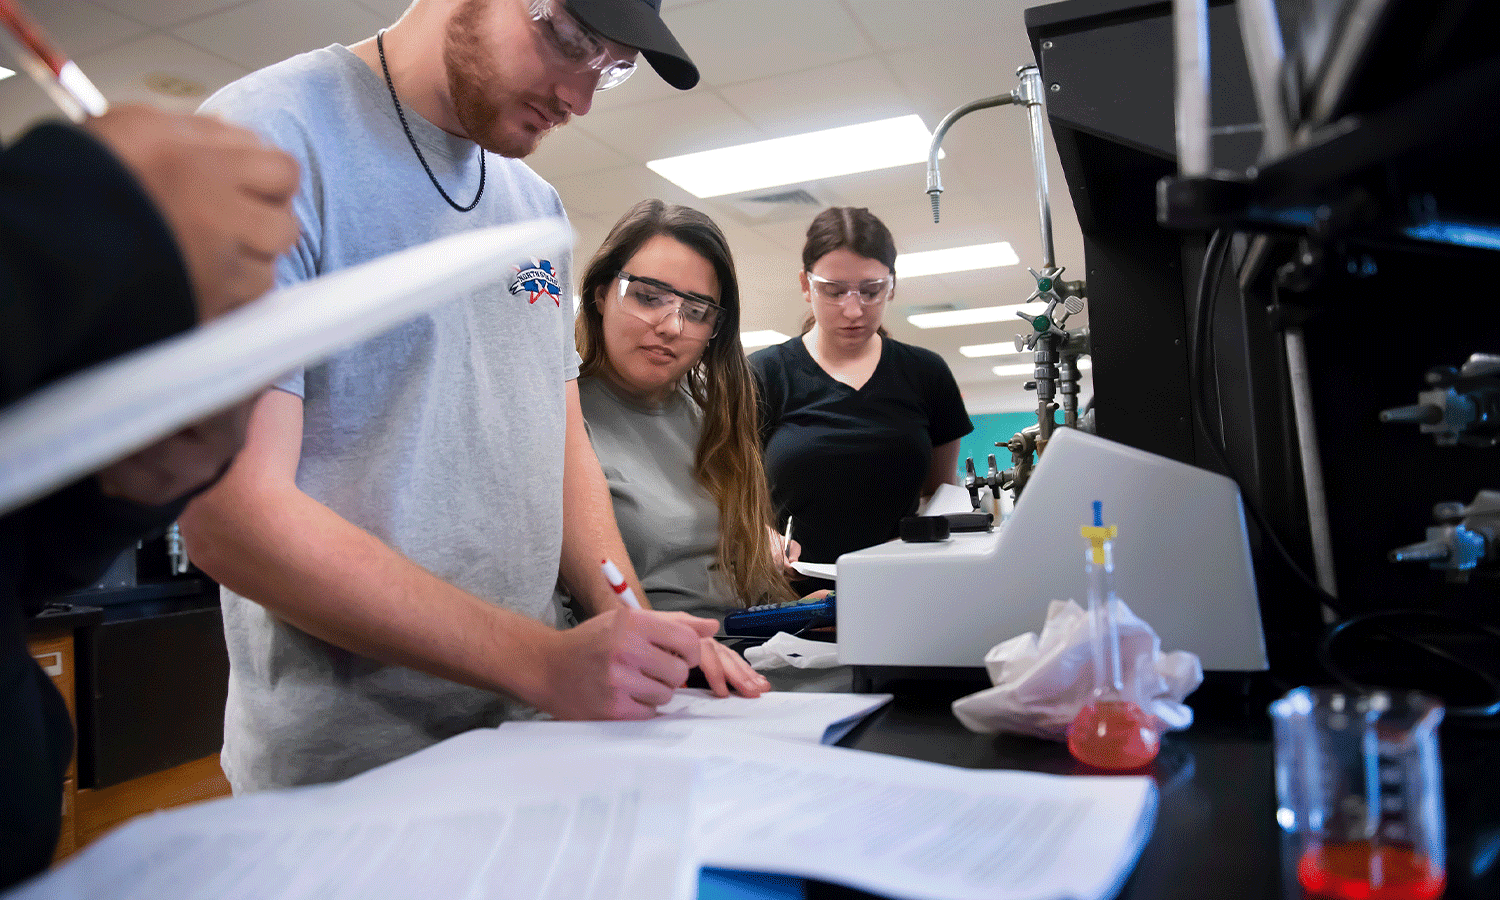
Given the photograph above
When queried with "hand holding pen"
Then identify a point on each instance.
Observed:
(722, 668)
(789, 550)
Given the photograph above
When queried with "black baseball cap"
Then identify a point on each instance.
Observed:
(638, 24)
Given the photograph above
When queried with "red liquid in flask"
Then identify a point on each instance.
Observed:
(1359, 871)
(1113, 734)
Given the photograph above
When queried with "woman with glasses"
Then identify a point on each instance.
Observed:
(856, 427)
(670, 406)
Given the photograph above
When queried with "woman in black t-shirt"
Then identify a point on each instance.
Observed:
(857, 427)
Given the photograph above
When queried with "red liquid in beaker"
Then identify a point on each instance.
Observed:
(1359, 871)
(1113, 734)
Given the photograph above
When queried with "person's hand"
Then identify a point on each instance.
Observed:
(725, 669)
(225, 195)
(790, 554)
(788, 551)
(621, 664)
(177, 465)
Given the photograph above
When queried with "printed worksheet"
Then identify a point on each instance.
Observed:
(453, 821)
(893, 826)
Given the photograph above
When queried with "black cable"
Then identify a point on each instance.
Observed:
(1325, 653)
(1208, 282)
(1199, 356)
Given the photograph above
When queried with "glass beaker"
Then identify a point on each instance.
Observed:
(1359, 790)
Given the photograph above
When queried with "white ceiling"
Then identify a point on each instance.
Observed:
(770, 68)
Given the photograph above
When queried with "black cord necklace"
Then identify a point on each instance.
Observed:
(380, 45)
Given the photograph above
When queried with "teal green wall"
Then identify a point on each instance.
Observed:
(980, 443)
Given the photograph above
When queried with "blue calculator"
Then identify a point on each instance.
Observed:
(794, 617)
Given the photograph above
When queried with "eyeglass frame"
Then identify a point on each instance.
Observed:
(841, 297)
(625, 278)
(593, 53)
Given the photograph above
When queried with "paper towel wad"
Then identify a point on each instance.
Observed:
(787, 650)
(1040, 683)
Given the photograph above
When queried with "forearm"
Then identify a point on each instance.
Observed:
(590, 533)
(337, 582)
(943, 469)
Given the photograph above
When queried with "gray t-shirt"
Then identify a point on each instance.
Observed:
(668, 520)
(442, 437)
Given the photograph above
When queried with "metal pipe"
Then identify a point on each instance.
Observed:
(1031, 94)
(1312, 466)
(935, 180)
(1264, 51)
(1190, 33)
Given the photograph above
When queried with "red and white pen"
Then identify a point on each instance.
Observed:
(59, 76)
(617, 582)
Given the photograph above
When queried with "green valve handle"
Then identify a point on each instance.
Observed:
(1041, 324)
(1044, 284)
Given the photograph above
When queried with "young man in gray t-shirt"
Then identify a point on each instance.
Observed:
(389, 538)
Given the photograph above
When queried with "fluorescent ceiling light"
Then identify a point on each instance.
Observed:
(979, 316)
(956, 259)
(1004, 348)
(1030, 368)
(5, 73)
(798, 158)
(749, 339)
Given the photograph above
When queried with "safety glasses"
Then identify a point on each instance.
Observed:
(580, 47)
(868, 293)
(652, 301)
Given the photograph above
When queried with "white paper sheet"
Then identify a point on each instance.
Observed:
(455, 821)
(827, 571)
(804, 716)
(893, 826)
(576, 810)
(948, 498)
(916, 830)
(94, 417)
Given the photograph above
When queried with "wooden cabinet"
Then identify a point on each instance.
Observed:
(52, 648)
(89, 813)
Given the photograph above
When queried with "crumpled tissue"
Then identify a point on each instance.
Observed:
(787, 650)
(1041, 683)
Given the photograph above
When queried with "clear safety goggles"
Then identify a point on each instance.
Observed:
(580, 47)
(868, 293)
(651, 301)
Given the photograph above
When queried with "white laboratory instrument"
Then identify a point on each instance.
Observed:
(1186, 569)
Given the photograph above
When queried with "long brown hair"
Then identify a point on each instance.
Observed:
(851, 228)
(728, 460)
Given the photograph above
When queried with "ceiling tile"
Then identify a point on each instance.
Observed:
(163, 13)
(953, 24)
(741, 40)
(389, 10)
(607, 195)
(267, 31)
(571, 150)
(696, 120)
(843, 93)
(24, 105)
(78, 28)
(120, 72)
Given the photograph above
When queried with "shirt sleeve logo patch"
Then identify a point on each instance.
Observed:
(537, 280)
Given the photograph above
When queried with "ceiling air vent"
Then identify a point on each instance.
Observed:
(796, 202)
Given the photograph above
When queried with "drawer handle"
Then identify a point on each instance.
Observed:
(51, 663)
